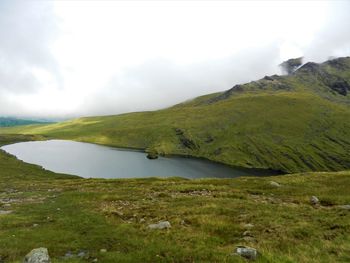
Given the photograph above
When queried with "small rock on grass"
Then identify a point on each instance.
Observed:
(314, 200)
(37, 255)
(346, 207)
(248, 226)
(68, 255)
(246, 252)
(5, 212)
(81, 254)
(275, 184)
(247, 233)
(160, 225)
(103, 250)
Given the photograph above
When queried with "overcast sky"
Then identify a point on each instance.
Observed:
(79, 58)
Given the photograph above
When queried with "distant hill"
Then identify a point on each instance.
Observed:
(10, 122)
(294, 123)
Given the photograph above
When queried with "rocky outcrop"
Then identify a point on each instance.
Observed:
(185, 141)
(336, 83)
(290, 65)
(225, 95)
(340, 86)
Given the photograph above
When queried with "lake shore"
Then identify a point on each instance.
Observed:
(96, 161)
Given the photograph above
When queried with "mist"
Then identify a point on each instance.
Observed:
(68, 59)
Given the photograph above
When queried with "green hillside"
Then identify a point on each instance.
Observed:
(294, 123)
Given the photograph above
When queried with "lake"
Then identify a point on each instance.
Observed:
(95, 161)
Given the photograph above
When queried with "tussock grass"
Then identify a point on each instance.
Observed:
(208, 216)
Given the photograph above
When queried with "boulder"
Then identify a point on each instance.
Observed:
(160, 225)
(247, 252)
(152, 155)
(37, 255)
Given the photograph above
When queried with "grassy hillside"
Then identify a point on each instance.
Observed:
(209, 218)
(294, 123)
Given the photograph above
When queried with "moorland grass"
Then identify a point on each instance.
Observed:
(208, 216)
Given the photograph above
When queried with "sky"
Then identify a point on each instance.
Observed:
(65, 59)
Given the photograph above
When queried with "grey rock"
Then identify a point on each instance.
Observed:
(68, 255)
(247, 233)
(275, 184)
(347, 207)
(314, 200)
(5, 212)
(247, 252)
(160, 225)
(248, 226)
(37, 255)
(103, 250)
(81, 254)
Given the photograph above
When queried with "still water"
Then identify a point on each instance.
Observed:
(95, 161)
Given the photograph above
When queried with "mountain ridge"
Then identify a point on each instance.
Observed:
(10, 122)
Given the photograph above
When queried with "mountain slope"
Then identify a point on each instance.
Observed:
(294, 123)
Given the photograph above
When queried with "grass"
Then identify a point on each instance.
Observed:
(208, 216)
(298, 131)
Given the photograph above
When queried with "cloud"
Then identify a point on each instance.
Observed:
(333, 39)
(75, 58)
(160, 83)
(26, 30)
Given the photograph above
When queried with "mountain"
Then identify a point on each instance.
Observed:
(10, 122)
(294, 123)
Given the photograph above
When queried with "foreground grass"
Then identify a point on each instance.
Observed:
(208, 217)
